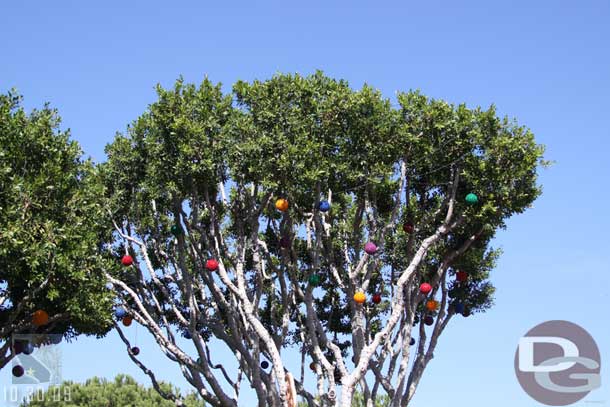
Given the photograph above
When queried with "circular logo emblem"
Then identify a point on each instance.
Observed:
(558, 363)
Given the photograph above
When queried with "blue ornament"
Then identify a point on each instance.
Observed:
(28, 348)
(324, 206)
(187, 334)
(56, 339)
(120, 312)
(459, 308)
(264, 364)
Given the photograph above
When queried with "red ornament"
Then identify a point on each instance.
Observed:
(377, 298)
(127, 320)
(127, 260)
(428, 320)
(408, 227)
(461, 276)
(425, 288)
(211, 265)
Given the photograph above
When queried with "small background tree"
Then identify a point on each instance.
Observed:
(124, 391)
(246, 183)
(49, 230)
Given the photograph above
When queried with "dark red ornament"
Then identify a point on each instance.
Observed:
(135, 350)
(376, 298)
(428, 320)
(461, 276)
(18, 371)
(408, 227)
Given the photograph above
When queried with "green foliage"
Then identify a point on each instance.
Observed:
(50, 225)
(124, 391)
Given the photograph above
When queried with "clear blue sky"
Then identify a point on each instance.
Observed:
(545, 62)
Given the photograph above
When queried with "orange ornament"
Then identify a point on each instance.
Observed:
(127, 320)
(281, 204)
(359, 297)
(432, 305)
(40, 318)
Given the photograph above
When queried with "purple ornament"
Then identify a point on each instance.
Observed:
(285, 242)
(18, 347)
(135, 350)
(370, 248)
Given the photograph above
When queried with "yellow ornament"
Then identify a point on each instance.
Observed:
(359, 297)
(281, 204)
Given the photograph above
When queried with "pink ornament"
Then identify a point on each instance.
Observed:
(370, 248)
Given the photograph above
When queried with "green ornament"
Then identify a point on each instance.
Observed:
(314, 279)
(176, 230)
(472, 199)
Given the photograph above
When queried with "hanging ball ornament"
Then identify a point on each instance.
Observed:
(370, 248)
(432, 305)
(376, 298)
(127, 260)
(18, 371)
(466, 313)
(56, 339)
(18, 347)
(109, 286)
(285, 242)
(359, 297)
(135, 350)
(28, 348)
(211, 264)
(412, 341)
(264, 364)
(428, 320)
(408, 227)
(324, 206)
(40, 318)
(461, 276)
(459, 308)
(425, 288)
(314, 279)
(176, 230)
(120, 312)
(471, 199)
(312, 366)
(127, 320)
(281, 204)
(187, 334)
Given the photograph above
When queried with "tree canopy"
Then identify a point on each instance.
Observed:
(50, 235)
(324, 210)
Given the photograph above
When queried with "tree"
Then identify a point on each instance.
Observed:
(249, 216)
(50, 265)
(124, 391)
